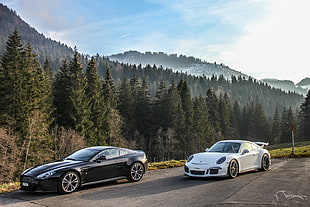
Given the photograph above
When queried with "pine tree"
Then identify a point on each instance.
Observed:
(275, 128)
(10, 78)
(70, 98)
(304, 118)
(94, 92)
(188, 108)
(28, 100)
(114, 123)
(80, 104)
(286, 125)
(225, 114)
(202, 130)
(174, 120)
(143, 115)
(213, 109)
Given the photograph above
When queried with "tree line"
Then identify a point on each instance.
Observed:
(46, 115)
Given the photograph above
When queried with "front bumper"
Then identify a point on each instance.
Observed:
(29, 183)
(205, 171)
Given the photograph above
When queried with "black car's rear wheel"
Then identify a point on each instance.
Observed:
(265, 162)
(136, 172)
(69, 182)
(233, 169)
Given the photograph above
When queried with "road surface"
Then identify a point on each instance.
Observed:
(287, 183)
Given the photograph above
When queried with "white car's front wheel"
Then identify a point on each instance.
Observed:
(233, 169)
(265, 163)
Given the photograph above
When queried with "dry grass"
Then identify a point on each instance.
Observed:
(8, 187)
(166, 164)
(299, 152)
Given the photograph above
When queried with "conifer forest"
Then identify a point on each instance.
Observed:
(46, 113)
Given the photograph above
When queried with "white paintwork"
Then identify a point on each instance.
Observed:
(205, 161)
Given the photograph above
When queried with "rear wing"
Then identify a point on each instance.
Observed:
(262, 144)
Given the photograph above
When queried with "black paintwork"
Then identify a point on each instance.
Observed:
(90, 171)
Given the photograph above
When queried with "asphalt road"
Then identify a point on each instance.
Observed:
(287, 183)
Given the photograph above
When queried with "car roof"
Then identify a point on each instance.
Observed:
(101, 147)
(236, 141)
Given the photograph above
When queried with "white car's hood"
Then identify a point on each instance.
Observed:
(205, 158)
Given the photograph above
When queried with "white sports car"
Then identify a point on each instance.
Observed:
(228, 158)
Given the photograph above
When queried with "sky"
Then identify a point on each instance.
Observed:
(261, 38)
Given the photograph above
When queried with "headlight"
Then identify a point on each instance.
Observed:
(221, 160)
(46, 175)
(190, 158)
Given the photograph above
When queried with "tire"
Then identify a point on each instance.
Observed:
(136, 172)
(69, 182)
(233, 169)
(265, 163)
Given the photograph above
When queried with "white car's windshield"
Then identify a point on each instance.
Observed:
(225, 147)
(82, 155)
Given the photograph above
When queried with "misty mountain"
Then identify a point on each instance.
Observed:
(46, 48)
(178, 63)
(288, 85)
(197, 67)
(304, 83)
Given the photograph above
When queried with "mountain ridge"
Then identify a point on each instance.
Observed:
(177, 62)
(194, 66)
(45, 47)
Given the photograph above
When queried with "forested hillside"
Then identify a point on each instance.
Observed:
(46, 48)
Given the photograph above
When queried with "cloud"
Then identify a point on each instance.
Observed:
(277, 46)
(124, 35)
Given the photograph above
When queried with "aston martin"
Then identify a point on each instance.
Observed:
(84, 167)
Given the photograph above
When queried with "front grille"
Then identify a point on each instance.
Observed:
(28, 179)
(196, 172)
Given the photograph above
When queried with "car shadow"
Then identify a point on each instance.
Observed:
(123, 188)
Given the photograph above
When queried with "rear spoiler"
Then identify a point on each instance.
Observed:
(262, 144)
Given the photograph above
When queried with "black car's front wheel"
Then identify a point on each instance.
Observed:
(69, 182)
(136, 172)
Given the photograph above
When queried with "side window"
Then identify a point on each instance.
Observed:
(246, 146)
(254, 147)
(109, 153)
(122, 152)
(112, 153)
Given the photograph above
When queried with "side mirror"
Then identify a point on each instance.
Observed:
(101, 158)
(206, 149)
(245, 151)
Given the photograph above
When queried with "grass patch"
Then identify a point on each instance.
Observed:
(8, 187)
(166, 164)
(299, 152)
(287, 145)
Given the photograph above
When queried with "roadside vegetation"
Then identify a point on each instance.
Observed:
(299, 152)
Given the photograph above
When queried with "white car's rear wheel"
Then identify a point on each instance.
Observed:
(233, 169)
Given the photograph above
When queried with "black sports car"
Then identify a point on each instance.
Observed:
(86, 166)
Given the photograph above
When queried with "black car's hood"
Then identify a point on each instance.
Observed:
(51, 166)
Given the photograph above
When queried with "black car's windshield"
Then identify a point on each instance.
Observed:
(82, 155)
(225, 147)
